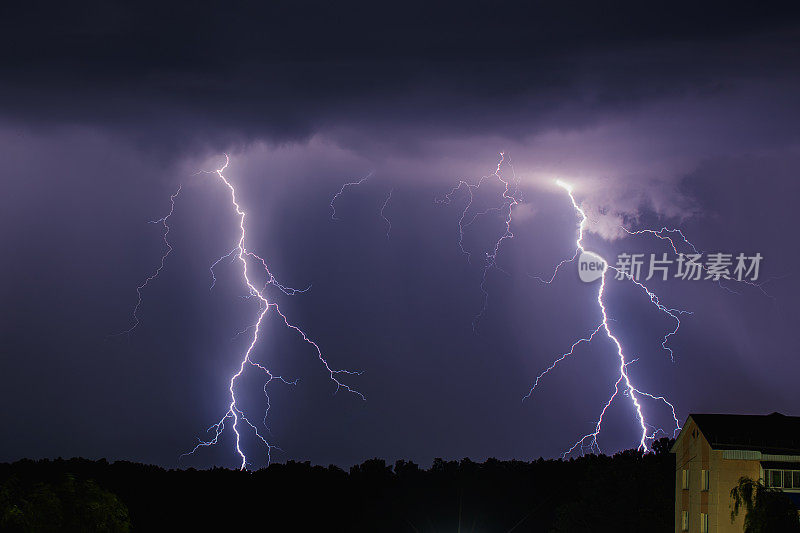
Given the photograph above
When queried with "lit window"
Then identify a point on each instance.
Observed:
(705, 480)
(684, 520)
(684, 479)
(703, 523)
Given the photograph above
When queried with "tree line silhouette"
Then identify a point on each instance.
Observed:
(629, 491)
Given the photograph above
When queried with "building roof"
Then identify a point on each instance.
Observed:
(772, 434)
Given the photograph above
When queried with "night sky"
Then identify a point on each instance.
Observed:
(675, 115)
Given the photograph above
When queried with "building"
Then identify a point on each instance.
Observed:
(713, 451)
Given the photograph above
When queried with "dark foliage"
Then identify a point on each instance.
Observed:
(32, 505)
(766, 510)
(630, 491)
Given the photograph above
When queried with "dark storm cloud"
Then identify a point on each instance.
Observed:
(201, 74)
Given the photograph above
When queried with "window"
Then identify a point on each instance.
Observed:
(684, 479)
(705, 480)
(703, 523)
(684, 520)
(785, 479)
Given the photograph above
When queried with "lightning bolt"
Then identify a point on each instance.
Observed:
(383, 216)
(382, 212)
(509, 200)
(214, 265)
(623, 384)
(234, 414)
(663, 234)
(674, 237)
(341, 192)
(167, 250)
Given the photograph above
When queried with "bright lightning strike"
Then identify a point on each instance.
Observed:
(589, 441)
(509, 200)
(234, 413)
(234, 416)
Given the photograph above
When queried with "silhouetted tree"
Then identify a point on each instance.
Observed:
(69, 505)
(766, 510)
(629, 492)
